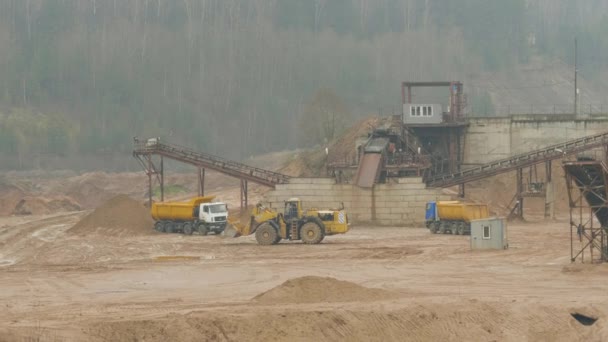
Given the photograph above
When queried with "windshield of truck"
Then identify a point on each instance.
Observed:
(217, 208)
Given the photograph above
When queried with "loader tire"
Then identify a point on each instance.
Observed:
(311, 233)
(266, 235)
(202, 229)
(187, 228)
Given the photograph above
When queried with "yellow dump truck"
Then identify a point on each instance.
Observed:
(198, 214)
(453, 217)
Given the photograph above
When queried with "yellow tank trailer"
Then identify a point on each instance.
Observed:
(310, 226)
(453, 216)
(199, 214)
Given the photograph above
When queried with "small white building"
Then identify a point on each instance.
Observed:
(490, 233)
(422, 113)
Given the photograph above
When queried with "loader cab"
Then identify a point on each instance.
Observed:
(293, 209)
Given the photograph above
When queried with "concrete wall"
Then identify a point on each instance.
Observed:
(488, 139)
(394, 204)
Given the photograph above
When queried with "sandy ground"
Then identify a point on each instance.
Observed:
(57, 286)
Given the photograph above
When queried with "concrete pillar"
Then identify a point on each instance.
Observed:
(549, 201)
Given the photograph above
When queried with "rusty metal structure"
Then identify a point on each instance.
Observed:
(587, 184)
(443, 141)
(519, 163)
(428, 142)
(151, 155)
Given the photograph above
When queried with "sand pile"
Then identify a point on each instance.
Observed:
(312, 289)
(341, 150)
(498, 191)
(10, 196)
(35, 205)
(453, 321)
(119, 216)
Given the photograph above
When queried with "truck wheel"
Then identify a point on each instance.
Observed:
(442, 227)
(434, 227)
(202, 229)
(159, 226)
(187, 228)
(169, 228)
(266, 235)
(311, 233)
(460, 229)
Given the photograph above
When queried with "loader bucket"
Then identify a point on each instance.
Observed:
(231, 231)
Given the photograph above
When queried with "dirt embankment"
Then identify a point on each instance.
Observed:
(312, 289)
(462, 320)
(119, 216)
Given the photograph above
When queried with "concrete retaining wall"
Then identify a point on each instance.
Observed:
(488, 139)
(401, 203)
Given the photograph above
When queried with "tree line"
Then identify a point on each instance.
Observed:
(240, 77)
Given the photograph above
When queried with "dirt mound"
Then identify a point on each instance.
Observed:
(341, 150)
(312, 289)
(456, 321)
(32, 205)
(9, 197)
(119, 216)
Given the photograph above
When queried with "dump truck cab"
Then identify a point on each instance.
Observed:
(213, 215)
(430, 215)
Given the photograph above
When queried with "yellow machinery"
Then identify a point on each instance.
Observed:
(310, 226)
(453, 216)
(199, 214)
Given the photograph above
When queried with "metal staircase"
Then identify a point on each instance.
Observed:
(208, 161)
(519, 161)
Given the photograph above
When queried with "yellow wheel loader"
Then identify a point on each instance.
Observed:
(295, 223)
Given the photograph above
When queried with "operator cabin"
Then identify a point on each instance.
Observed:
(422, 113)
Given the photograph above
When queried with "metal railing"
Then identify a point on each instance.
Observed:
(538, 109)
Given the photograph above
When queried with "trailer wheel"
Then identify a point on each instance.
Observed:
(159, 226)
(202, 229)
(187, 228)
(169, 228)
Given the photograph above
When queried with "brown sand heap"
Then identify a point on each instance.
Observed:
(312, 289)
(119, 216)
(37, 205)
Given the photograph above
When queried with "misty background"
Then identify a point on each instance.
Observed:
(79, 79)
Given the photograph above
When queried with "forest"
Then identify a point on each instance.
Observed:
(243, 77)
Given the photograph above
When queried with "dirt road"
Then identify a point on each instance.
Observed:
(58, 286)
